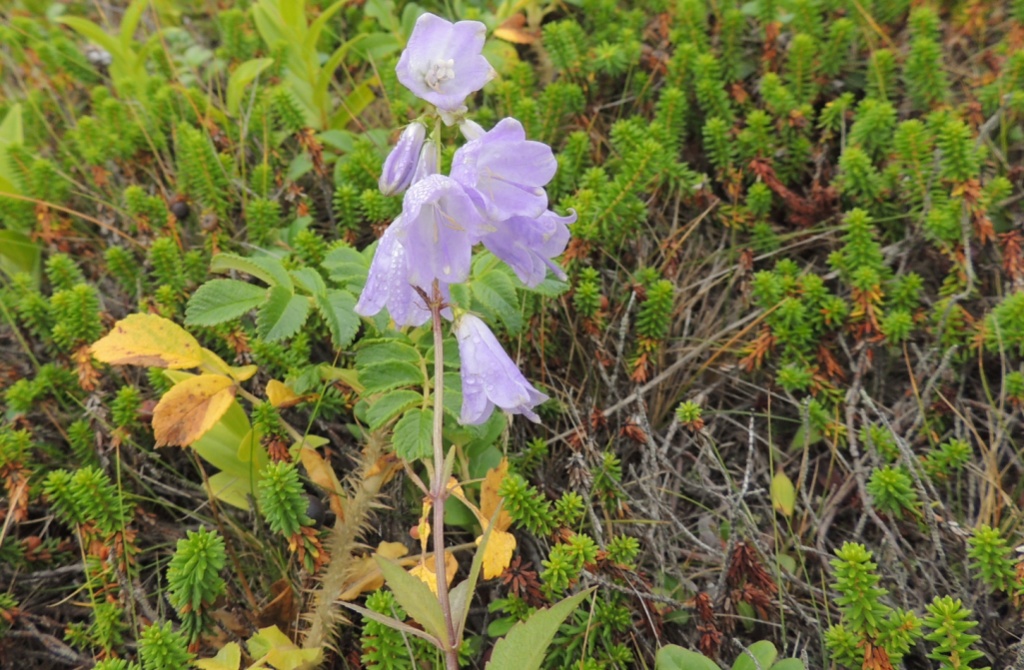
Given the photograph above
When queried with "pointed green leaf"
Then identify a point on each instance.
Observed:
(412, 438)
(462, 595)
(244, 75)
(282, 315)
(266, 269)
(392, 623)
(526, 645)
(221, 300)
(94, 33)
(415, 597)
(130, 22)
(11, 132)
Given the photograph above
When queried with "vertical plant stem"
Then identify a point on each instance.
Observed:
(439, 487)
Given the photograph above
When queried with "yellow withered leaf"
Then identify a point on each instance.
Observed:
(424, 571)
(498, 552)
(489, 498)
(281, 395)
(322, 474)
(228, 658)
(513, 30)
(148, 340)
(366, 574)
(190, 408)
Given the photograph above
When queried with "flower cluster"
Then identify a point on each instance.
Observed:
(494, 195)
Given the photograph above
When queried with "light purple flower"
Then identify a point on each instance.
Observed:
(398, 169)
(504, 172)
(529, 245)
(387, 284)
(489, 376)
(443, 62)
(438, 228)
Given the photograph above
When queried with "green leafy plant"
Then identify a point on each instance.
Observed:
(761, 654)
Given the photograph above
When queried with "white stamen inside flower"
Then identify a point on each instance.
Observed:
(439, 72)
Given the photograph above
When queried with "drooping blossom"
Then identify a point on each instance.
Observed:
(400, 164)
(438, 227)
(529, 245)
(387, 284)
(489, 377)
(443, 63)
(504, 172)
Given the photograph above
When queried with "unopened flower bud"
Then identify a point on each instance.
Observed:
(471, 130)
(428, 162)
(401, 162)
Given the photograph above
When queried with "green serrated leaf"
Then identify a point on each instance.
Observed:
(674, 657)
(221, 300)
(550, 288)
(497, 294)
(391, 405)
(266, 269)
(337, 307)
(415, 597)
(309, 280)
(412, 437)
(387, 376)
(282, 315)
(526, 645)
(376, 352)
(789, 664)
(347, 266)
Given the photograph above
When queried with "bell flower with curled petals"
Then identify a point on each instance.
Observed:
(489, 377)
(443, 63)
(504, 172)
(400, 164)
(387, 284)
(529, 246)
(438, 227)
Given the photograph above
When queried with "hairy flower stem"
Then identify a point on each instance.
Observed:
(439, 485)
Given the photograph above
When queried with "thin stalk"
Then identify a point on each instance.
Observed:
(438, 485)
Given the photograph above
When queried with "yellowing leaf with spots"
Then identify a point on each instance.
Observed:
(498, 552)
(281, 395)
(425, 571)
(489, 498)
(191, 408)
(148, 340)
